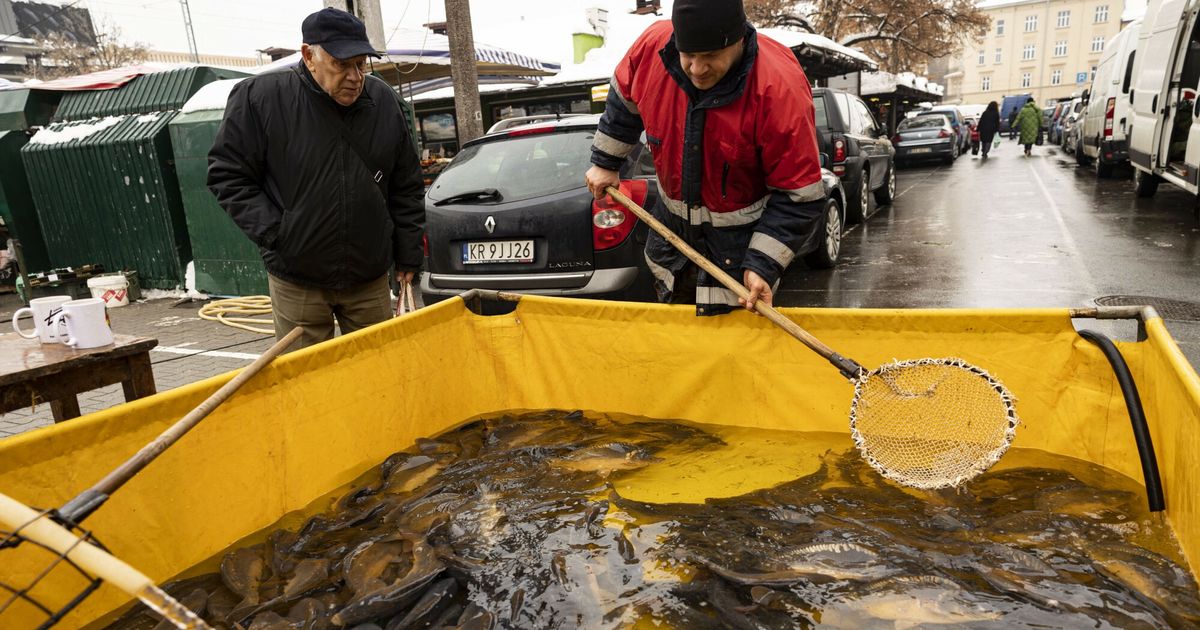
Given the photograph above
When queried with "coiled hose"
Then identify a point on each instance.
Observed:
(239, 312)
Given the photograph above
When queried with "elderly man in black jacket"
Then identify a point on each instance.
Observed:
(316, 165)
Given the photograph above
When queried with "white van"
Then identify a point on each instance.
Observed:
(1164, 142)
(1106, 117)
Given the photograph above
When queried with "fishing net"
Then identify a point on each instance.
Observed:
(48, 610)
(57, 559)
(931, 423)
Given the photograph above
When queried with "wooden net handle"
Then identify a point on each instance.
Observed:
(847, 367)
(87, 501)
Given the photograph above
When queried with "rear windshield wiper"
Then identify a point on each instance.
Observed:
(487, 194)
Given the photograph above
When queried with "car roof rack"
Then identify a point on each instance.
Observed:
(519, 121)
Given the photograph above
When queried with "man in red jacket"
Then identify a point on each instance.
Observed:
(728, 117)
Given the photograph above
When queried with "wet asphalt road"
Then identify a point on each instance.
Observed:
(1015, 232)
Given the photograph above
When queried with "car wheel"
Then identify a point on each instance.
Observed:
(860, 205)
(1144, 184)
(1103, 169)
(953, 156)
(1081, 158)
(826, 256)
(887, 192)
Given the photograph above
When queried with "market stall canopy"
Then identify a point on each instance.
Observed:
(905, 85)
(415, 55)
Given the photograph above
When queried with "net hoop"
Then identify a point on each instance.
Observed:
(980, 465)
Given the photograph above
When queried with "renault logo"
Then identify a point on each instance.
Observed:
(490, 224)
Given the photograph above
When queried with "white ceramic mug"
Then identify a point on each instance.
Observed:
(44, 310)
(85, 323)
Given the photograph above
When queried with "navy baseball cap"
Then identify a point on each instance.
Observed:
(338, 32)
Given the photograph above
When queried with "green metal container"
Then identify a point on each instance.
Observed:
(16, 202)
(103, 177)
(147, 93)
(21, 110)
(226, 261)
(24, 109)
(106, 192)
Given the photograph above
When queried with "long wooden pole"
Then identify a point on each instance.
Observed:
(88, 500)
(849, 368)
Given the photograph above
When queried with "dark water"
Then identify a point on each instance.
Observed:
(562, 520)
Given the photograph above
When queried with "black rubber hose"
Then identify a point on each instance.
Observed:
(1137, 417)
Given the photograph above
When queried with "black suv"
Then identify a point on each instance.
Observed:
(855, 143)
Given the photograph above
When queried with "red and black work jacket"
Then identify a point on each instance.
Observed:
(738, 167)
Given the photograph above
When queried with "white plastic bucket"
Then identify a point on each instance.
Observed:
(114, 290)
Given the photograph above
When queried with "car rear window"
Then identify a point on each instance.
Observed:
(819, 111)
(519, 168)
(922, 122)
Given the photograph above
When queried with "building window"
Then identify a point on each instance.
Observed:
(1098, 44)
(1060, 48)
(1101, 14)
(985, 83)
(1030, 23)
(1056, 77)
(982, 57)
(1028, 52)
(1026, 79)
(999, 27)
(999, 54)
(1064, 19)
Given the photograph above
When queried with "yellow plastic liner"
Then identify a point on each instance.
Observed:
(319, 417)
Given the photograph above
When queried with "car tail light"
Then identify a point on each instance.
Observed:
(839, 150)
(945, 133)
(1109, 108)
(425, 244)
(896, 139)
(611, 222)
(529, 132)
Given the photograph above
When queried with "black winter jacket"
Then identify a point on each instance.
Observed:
(989, 123)
(284, 172)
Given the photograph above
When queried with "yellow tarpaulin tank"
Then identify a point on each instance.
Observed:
(318, 418)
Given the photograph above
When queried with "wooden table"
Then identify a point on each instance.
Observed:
(33, 373)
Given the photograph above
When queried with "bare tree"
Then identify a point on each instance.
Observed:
(64, 57)
(899, 34)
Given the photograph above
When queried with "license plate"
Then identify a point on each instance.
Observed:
(926, 150)
(497, 252)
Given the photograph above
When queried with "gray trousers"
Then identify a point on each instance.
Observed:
(316, 309)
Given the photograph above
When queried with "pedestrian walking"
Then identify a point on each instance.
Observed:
(1029, 125)
(1012, 122)
(728, 116)
(316, 165)
(989, 124)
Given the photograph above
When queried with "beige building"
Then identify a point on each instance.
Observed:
(1048, 48)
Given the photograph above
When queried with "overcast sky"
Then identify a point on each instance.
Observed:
(239, 27)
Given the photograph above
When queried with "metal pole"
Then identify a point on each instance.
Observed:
(464, 71)
(191, 34)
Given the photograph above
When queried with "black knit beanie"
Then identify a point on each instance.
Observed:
(707, 25)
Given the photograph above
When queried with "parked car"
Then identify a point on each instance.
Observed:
(849, 134)
(511, 212)
(926, 137)
(1048, 116)
(1103, 137)
(973, 125)
(1166, 78)
(1067, 133)
(1008, 105)
(1054, 126)
(957, 123)
(1069, 106)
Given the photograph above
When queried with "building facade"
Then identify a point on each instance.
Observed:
(1047, 48)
